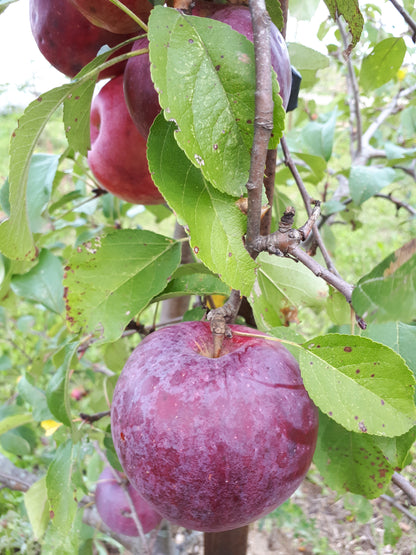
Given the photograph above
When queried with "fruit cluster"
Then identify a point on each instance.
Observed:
(69, 33)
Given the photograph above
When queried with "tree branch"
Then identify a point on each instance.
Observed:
(405, 486)
(406, 17)
(353, 98)
(263, 118)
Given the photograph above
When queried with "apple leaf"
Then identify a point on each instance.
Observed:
(215, 223)
(37, 507)
(351, 11)
(306, 60)
(363, 385)
(99, 300)
(43, 283)
(62, 505)
(281, 289)
(14, 421)
(366, 181)
(57, 389)
(398, 336)
(359, 463)
(388, 292)
(193, 279)
(16, 239)
(382, 63)
(204, 72)
(275, 12)
(319, 136)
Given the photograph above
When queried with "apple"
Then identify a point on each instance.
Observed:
(141, 97)
(114, 509)
(212, 443)
(107, 15)
(118, 150)
(68, 40)
(239, 18)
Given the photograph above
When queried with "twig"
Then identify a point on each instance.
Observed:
(406, 17)
(399, 203)
(389, 109)
(90, 418)
(405, 486)
(268, 181)
(398, 506)
(353, 98)
(308, 204)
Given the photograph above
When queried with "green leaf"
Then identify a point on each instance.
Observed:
(14, 421)
(350, 461)
(398, 336)
(306, 60)
(364, 386)
(283, 288)
(57, 390)
(105, 301)
(16, 239)
(352, 15)
(36, 398)
(37, 507)
(275, 11)
(366, 181)
(43, 283)
(388, 292)
(302, 10)
(392, 531)
(42, 172)
(382, 63)
(193, 279)
(5, 3)
(62, 504)
(316, 164)
(319, 137)
(214, 222)
(204, 72)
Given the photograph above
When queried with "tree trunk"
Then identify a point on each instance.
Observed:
(232, 542)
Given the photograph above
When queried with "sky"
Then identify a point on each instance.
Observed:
(22, 65)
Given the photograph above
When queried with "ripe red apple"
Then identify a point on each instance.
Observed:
(107, 15)
(114, 508)
(141, 97)
(68, 40)
(118, 151)
(239, 18)
(212, 443)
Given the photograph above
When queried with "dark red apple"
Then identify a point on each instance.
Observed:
(118, 150)
(239, 18)
(107, 15)
(212, 443)
(141, 97)
(68, 40)
(113, 505)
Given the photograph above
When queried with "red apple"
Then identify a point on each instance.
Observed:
(118, 150)
(212, 443)
(141, 97)
(68, 40)
(107, 15)
(113, 505)
(239, 18)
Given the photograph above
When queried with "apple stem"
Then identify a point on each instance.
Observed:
(131, 14)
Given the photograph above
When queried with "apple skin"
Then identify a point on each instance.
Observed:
(239, 18)
(105, 14)
(118, 151)
(212, 443)
(114, 509)
(68, 40)
(141, 97)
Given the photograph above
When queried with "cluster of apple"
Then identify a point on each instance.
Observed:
(69, 33)
(208, 442)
